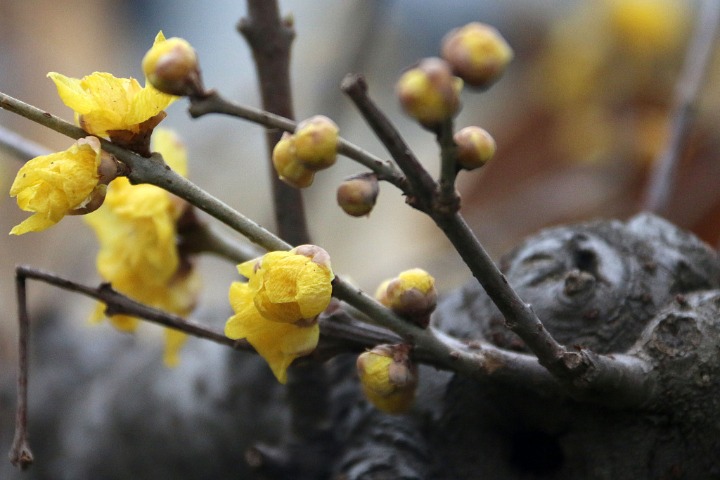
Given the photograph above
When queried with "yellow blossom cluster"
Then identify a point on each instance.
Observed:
(277, 308)
(136, 229)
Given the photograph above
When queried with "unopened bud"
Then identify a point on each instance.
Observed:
(475, 147)
(287, 166)
(477, 53)
(171, 66)
(316, 142)
(429, 92)
(411, 295)
(357, 195)
(388, 377)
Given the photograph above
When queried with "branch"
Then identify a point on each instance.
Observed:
(576, 370)
(687, 90)
(215, 103)
(419, 181)
(270, 39)
(19, 146)
(562, 363)
(20, 453)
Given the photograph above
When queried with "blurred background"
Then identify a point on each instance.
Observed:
(579, 117)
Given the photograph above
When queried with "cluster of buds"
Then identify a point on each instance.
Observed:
(388, 377)
(313, 147)
(429, 92)
(475, 147)
(171, 66)
(357, 195)
(477, 53)
(411, 295)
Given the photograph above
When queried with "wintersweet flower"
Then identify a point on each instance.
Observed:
(104, 103)
(279, 343)
(136, 229)
(58, 184)
(276, 309)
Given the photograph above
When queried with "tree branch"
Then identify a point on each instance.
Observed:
(20, 453)
(215, 103)
(687, 90)
(19, 146)
(428, 342)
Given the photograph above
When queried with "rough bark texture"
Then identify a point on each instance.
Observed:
(641, 287)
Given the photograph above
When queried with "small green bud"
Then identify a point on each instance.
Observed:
(171, 66)
(357, 195)
(475, 147)
(429, 92)
(316, 142)
(287, 166)
(477, 53)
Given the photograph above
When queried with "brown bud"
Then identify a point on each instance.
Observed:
(357, 195)
(475, 147)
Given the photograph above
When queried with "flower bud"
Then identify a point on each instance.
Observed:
(429, 92)
(316, 142)
(171, 66)
(287, 166)
(475, 147)
(388, 377)
(411, 295)
(477, 53)
(357, 195)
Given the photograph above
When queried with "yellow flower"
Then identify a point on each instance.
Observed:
(291, 286)
(276, 309)
(103, 103)
(136, 229)
(279, 343)
(54, 185)
(388, 378)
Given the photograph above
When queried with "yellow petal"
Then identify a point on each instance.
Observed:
(172, 148)
(159, 38)
(53, 185)
(174, 341)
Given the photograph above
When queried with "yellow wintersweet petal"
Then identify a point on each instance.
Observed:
(136, 229)
(174, 341)
(173, 149)
(159, 38)
(290, 287)
(278, 343)
(104, 102)
(54, 185)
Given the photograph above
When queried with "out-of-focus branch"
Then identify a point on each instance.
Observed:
(270, 39)
(19, 146)
(20, 453)
(687, 90)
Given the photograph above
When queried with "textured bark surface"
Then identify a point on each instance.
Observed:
(641, 287)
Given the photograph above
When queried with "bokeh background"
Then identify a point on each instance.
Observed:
(579, 117)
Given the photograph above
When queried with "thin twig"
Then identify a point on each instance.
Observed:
(687, 90)
(117, 303)
(419, 180)
(215, 103)
(20, 453)
(19, 146)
